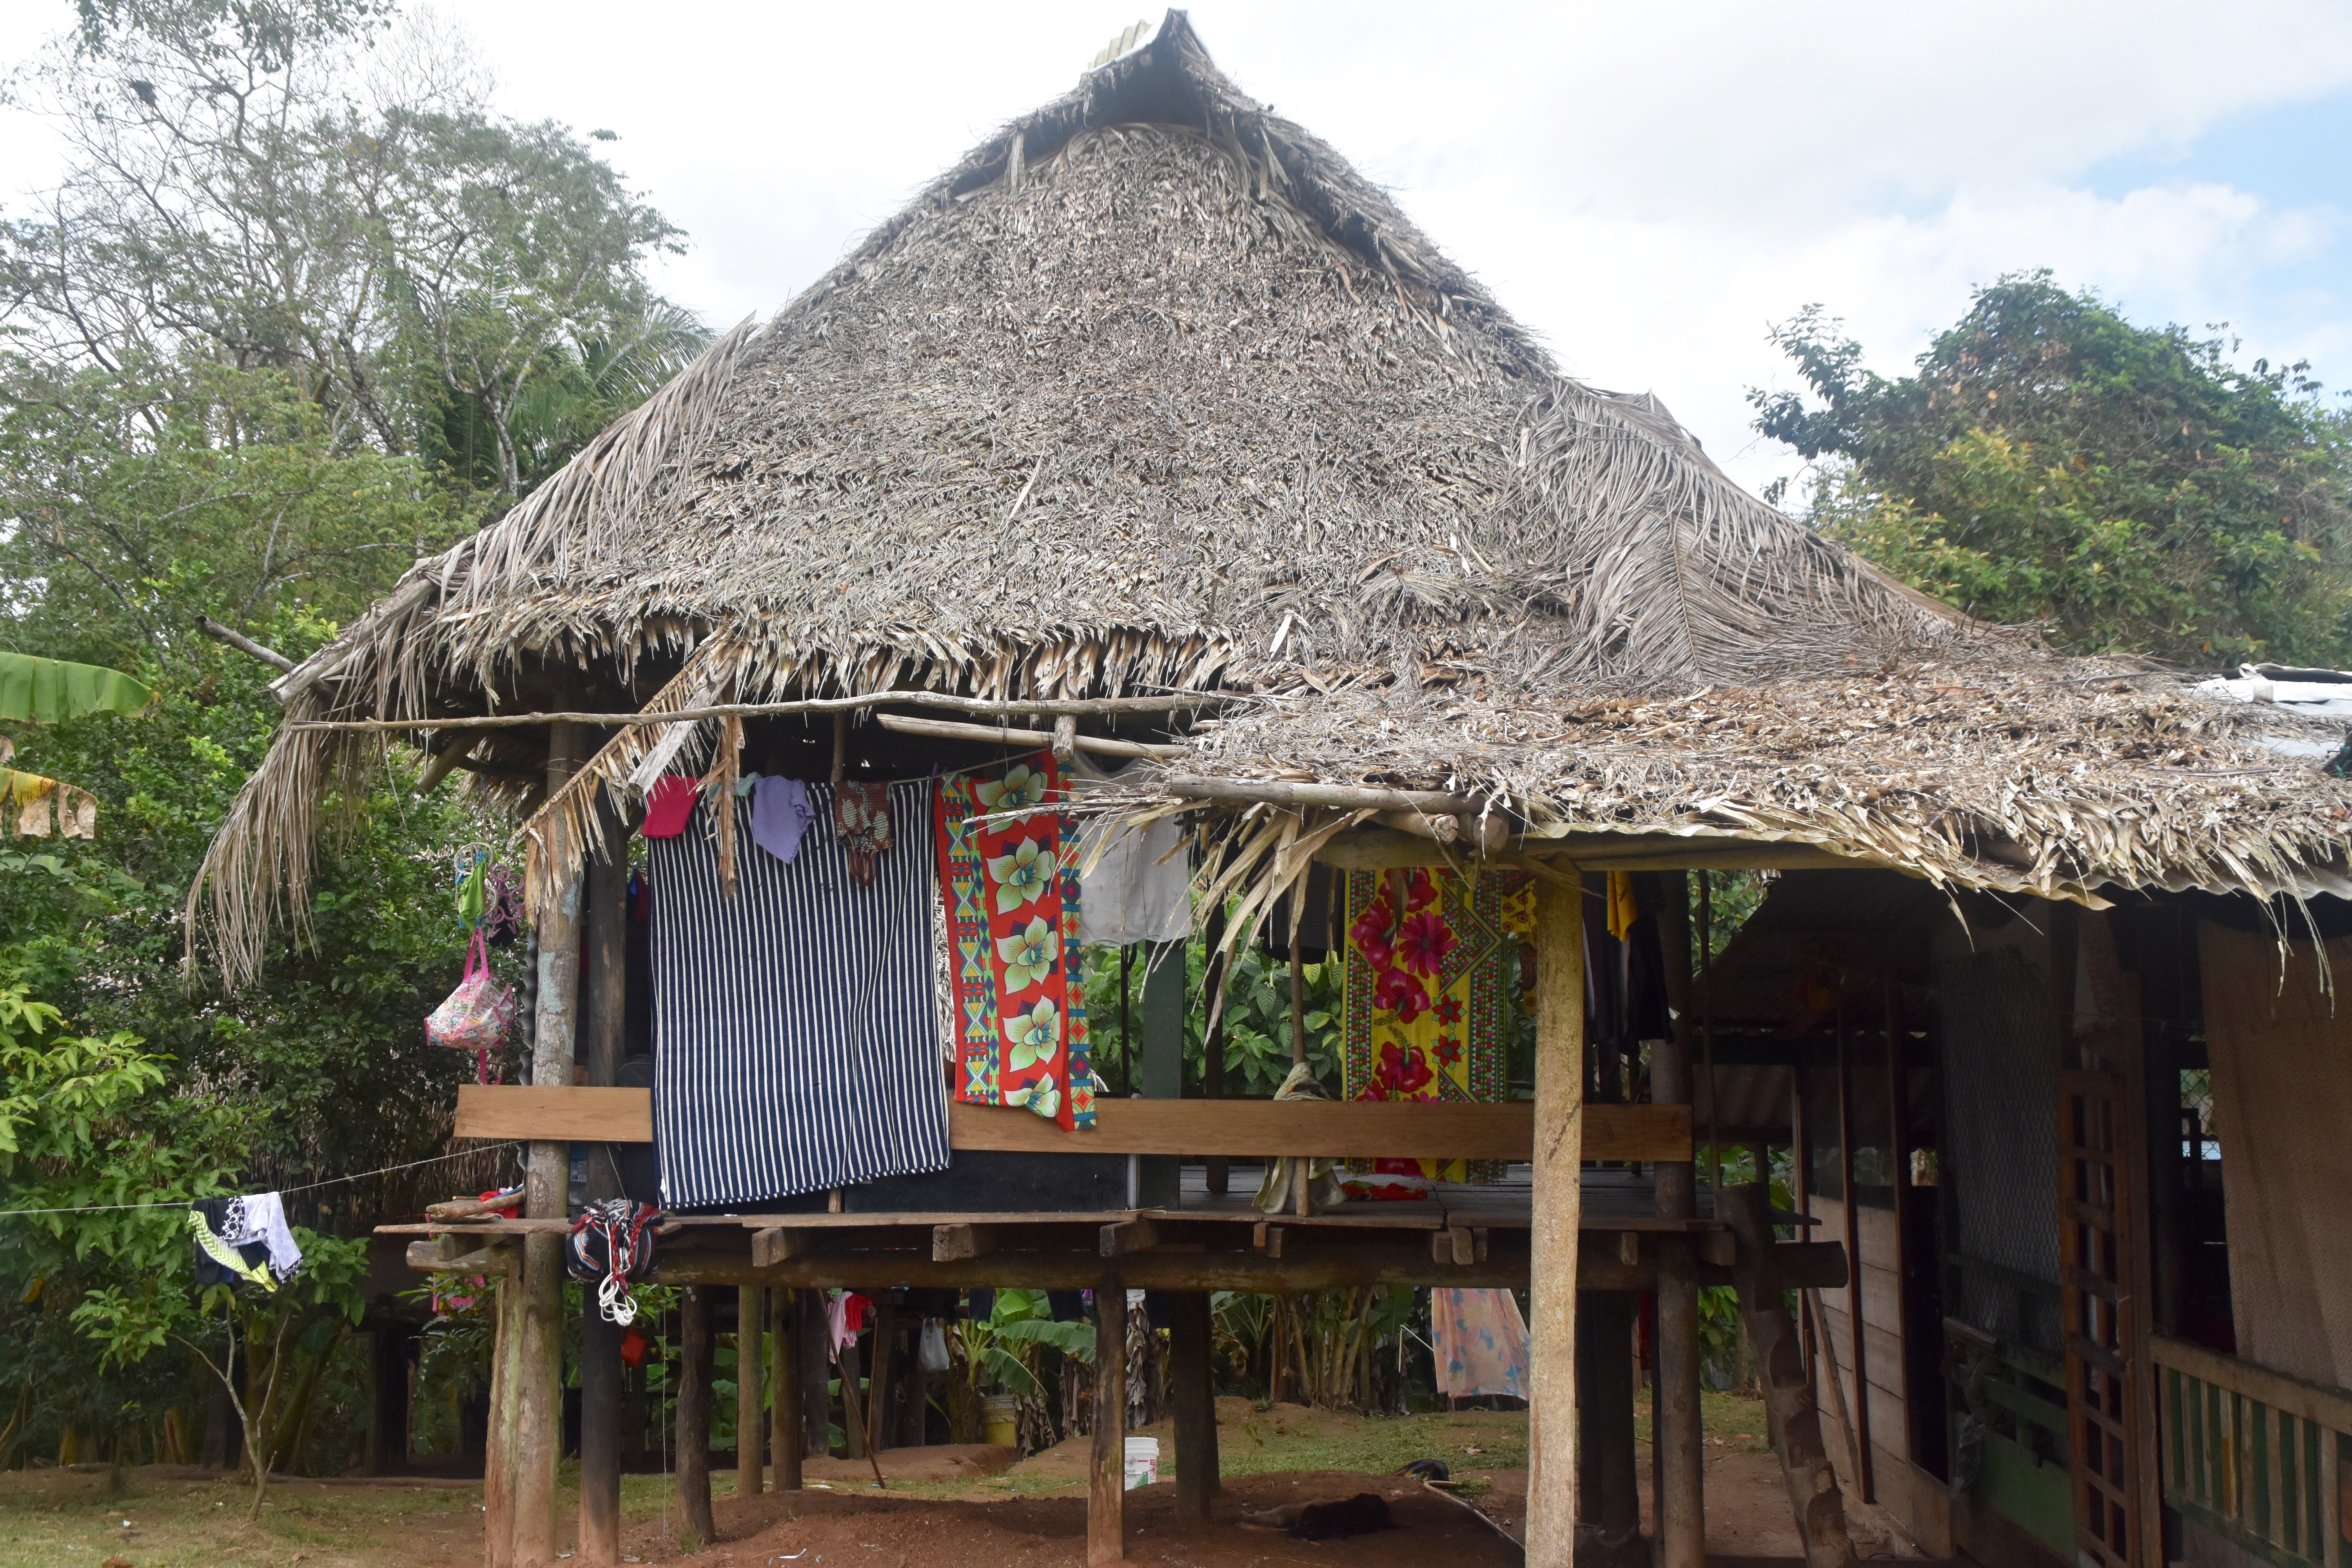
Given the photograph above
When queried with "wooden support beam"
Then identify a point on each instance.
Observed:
(1795, 1421)
(817, 1354)
(1123, 1236)
(538, 1434)
(1559, 1153)
(694, 1391)
(1244, 1128)
(1718, 1247)
(1192, 1378)
(1609, 1528)
(1268, 1239)
(750, 1425)
(990, 735)
(1393, 848)
(603, 990)
(1107, 1467)
(954, 1243)
(1459, 1245)
(1629, 1248)
(506, 1418)
(778, 1244)
(431, 1258)
(839, 706)
(787, 1443)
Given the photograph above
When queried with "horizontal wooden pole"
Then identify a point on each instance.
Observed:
(954, 729)
(1432, 1130)
(1342, 797)
(2328, 1407)
(1387, 848)
(1052, 707)
(1305, 1262)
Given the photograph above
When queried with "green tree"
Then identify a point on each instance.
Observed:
(2049, 461)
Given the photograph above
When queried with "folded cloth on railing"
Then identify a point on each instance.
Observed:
(795, 1024)
(1278, 1192)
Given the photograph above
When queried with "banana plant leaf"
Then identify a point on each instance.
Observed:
(50, 690)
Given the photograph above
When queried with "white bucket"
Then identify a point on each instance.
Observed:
(1142, 1461)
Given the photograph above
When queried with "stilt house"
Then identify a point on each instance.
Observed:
(1153, 444)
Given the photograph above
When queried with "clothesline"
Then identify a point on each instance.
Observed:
(309, 1187)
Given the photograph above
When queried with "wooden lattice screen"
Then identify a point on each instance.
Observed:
(2102, 1397)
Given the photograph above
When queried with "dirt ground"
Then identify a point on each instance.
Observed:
(941, 1505)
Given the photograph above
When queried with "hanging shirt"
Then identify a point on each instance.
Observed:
(779, 816)
(1136, 885)
(668, 804)
(259, 1218)
(218, 1262)
(795, 1024)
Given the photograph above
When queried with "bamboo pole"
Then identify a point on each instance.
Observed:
(1075, 707)
(994, 734)
(1558, 1204)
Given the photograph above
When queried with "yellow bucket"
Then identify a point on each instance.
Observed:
(1000, 1420)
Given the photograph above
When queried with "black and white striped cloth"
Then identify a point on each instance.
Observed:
(795, 1033)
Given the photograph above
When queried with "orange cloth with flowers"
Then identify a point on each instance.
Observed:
(1428, 1003)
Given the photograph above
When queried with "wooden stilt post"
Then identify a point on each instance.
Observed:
(694, 1414)
(1558, 1206)
(853, 1418)
(1608, 1528)
(506, 1415)
(604, 987)
(1677, 1435)
(539, 1368)
(816, 1355)
(787, 1431)
(1193, 1393)
(750, 1406)
(878, 1435)
(1107, 1473)
(1788, 1390)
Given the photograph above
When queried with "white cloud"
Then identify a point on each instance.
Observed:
(1649, 186)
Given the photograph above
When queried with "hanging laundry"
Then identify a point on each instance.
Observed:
(1427, 1002)
(1136, 883)
(668, 804)
(862, 813)
(1623, 910)
(1482, 1342)
(779, 816)
(796, 1040)
(844, 1319)
(1013, 913)
(217, 1261)
(260, 1217)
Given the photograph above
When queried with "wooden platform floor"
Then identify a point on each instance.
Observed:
(1469, 1234)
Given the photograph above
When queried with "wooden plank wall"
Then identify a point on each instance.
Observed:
(1882, 1326)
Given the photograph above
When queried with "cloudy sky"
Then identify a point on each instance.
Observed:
(1650, 187)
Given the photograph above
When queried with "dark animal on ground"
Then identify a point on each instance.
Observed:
(1359, 1515)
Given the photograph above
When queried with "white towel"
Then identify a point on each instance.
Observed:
(1138, 889)
(261, 1217)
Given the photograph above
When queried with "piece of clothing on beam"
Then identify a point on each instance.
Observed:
(1009, 885)
(1482, 1342)
(1427, 1001)
(1136, 883)
(795, 1023)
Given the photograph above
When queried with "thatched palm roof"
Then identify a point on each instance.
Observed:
(1151, 390)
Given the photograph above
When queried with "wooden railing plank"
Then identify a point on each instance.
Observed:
(2330, 1407)
(1361, 1129)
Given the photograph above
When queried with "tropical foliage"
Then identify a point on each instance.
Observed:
(2125, 486)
